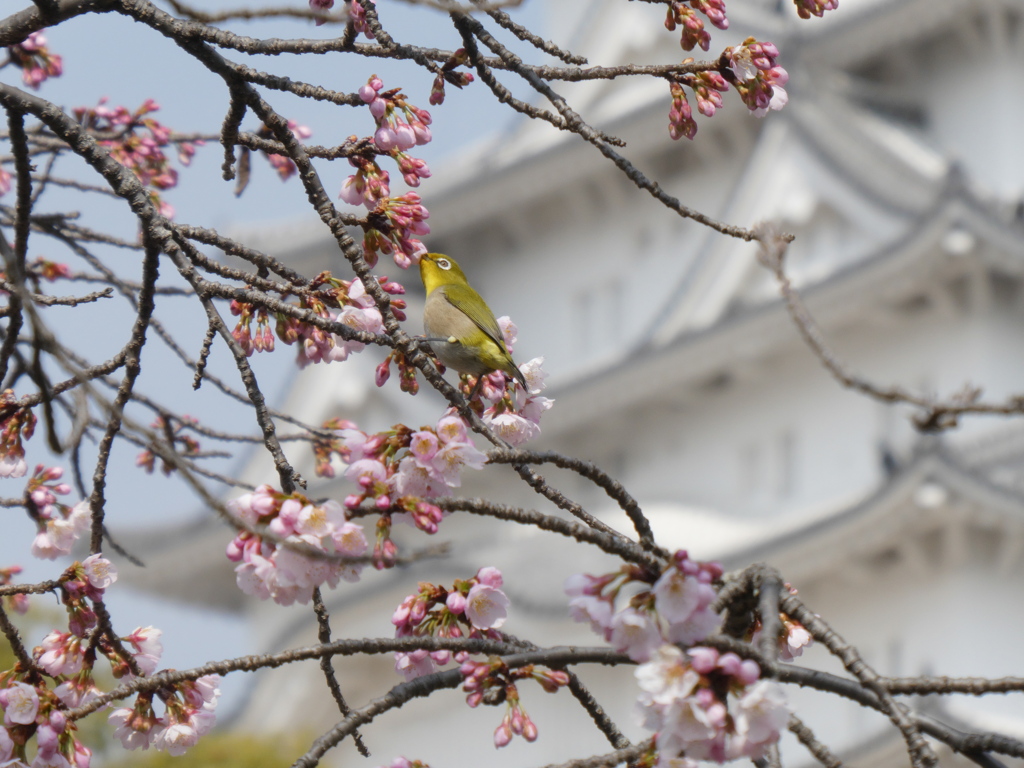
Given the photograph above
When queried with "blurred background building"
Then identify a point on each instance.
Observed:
(898, 164)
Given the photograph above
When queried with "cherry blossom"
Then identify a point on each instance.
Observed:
(808, 8)
(18, 424)
(486, 607)
(138, 142)
(709, 706)
(271, 570)
(35, 60)
(675, 606)
(147, 648)
(20, 703)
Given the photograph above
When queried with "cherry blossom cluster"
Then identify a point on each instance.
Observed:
(175, 435)
(31, 709)
(16, 424)
(40, 268)
(138, 143)
(263, 338)
(327, 443)
(60, 526)
(82, 582)
(5, 181)
(407, 381)
(321, 6)
(693, 32)
(473, 607)
(357, 311)
(808, 8)
(400, 469)
(281, 163)
(757, 75)
(17, 602)
(399, 124)
(680, 116)
(368, 185)
(35, 60)
(393, 222)
(189, 706)
(706, 705)
(401, 466)
(448, 74)
(492, 682)
(357, 17)
(189, 712)
(50, 271)
(356, 14)
(671, 607)
(707, 88)
(275, 567)
(514, 413)
(34, 713)
(393, 226)
(344, 301)
(750, 67)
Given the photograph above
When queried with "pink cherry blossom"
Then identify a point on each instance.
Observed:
(635, 633)
(60, 653)
(21, 704)
(176, 739)
(595, 610)
(133, 730)
(415, 664)
(486, 607)
(760, 715)
(450, 460)
(147, 647)
(6, 745)
(100, 572)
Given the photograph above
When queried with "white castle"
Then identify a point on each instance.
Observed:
(899, 165)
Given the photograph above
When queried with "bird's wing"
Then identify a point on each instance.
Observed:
(468, 301)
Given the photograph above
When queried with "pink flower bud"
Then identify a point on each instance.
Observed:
(385, 138)
(490, 576)
(729, 663)
(749, 672)
(423, 134)
(502, 734)
(405, 137)
(702, 659)
(456, 603)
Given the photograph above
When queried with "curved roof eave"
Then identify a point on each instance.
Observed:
(873, 524)
(758, 331)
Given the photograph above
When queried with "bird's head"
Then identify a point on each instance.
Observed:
(436, 270)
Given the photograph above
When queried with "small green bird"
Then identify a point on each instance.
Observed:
(459, 325)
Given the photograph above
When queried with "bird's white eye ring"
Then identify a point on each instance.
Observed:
(443, 263)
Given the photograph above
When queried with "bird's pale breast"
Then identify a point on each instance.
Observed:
(443, 321)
